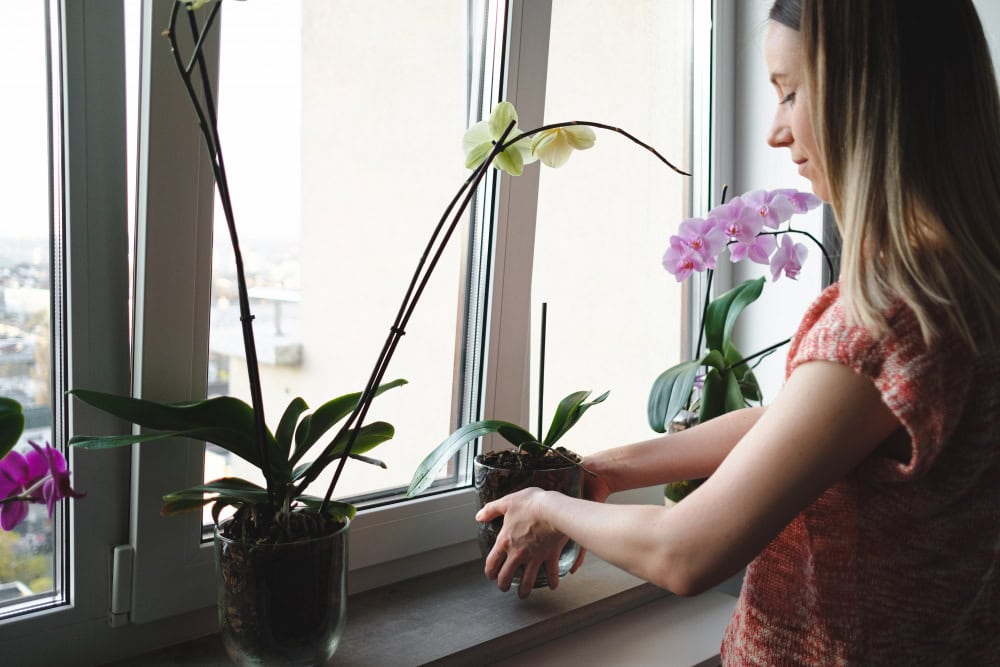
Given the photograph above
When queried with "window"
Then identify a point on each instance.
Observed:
(326, 180)
(29, 561)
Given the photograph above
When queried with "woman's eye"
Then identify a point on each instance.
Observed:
(788, 99)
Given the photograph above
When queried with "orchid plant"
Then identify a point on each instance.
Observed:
(273, 511)
(37, 476)
(755, 226)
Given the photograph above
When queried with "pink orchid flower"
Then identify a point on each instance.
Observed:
(681, 261)
(788, 259)
(38, 476)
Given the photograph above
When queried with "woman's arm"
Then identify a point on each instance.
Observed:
(689, 454)
(824, 422)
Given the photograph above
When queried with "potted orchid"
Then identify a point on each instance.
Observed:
(532, 460)
(755, 226)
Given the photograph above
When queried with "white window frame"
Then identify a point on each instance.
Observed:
(88, 131)
(171, 596)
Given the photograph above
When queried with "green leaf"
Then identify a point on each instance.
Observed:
(516, 435)
(713, 396)
(568, 413)
(11, 424)
(670, 392)
(225, 421)
(734, 397)
(425, 473)
(315, 426)
(720, 318)
(112, 441)
(369, 437)
(230, 490)
(744, 375)
(286, 427)
(335, 510)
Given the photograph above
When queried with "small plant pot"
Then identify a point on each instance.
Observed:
(493, 482)
(282, 604)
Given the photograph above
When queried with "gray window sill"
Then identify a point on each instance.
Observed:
(457, 617)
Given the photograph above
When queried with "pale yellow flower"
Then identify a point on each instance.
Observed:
(481, 137)
(553, 147)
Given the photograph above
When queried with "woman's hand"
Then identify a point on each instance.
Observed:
(526, 540)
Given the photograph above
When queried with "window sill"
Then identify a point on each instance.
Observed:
(457, 617)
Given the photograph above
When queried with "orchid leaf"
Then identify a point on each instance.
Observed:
(231, 490)
(337, 511)
(369, 437)
(670, 393)
(744, 374)
(568, 413)
(225, 421)
(11, 424)
(713, 396)
(425, 473)
(516, 435)
(734, 396)
(314, 426)
(721, 315)
(286, 427)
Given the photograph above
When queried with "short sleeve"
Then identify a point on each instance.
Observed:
(919, 386)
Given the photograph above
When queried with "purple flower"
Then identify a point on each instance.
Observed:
(744, 231)
(40, 475)
(773, 208)
(802, 202)
(789, 259)
(702, 236)
(681, 261)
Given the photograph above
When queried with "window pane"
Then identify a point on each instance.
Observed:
(342, 125)
(614, 315)
(27, 554)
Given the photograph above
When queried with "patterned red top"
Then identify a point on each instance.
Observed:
(899, 563)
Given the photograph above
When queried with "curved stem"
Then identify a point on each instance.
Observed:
(822, 249)
(704, 312)
(208, 124)
(603, 126)
(766, 350)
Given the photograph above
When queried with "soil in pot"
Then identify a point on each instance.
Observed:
(498, 474)
(282, 604)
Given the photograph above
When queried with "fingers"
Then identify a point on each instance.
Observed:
(491, 511)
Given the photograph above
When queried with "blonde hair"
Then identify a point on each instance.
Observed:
(907, 121)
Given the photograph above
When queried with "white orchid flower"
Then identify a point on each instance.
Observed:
(553, 147)
(481, 137)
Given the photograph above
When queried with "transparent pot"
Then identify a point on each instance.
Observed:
(494, 482)
(282, 604)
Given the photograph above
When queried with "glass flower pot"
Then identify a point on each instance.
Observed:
(493, 482)
(282, 604)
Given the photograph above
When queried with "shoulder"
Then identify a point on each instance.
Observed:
(924, 387)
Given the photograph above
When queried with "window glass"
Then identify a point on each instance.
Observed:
(343, 145)
(613, 314)
(28, 553)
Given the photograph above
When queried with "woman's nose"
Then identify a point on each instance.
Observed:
(779, 135)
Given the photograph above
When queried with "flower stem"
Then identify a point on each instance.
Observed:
(210, 132)
(418, 282)
(590, 123)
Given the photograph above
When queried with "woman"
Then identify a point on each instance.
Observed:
(865, 499)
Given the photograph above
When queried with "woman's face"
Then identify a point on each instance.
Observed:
(792, 127)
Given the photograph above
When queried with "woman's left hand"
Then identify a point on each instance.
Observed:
(526, 539)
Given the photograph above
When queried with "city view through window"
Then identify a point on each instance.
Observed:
(27, 553)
